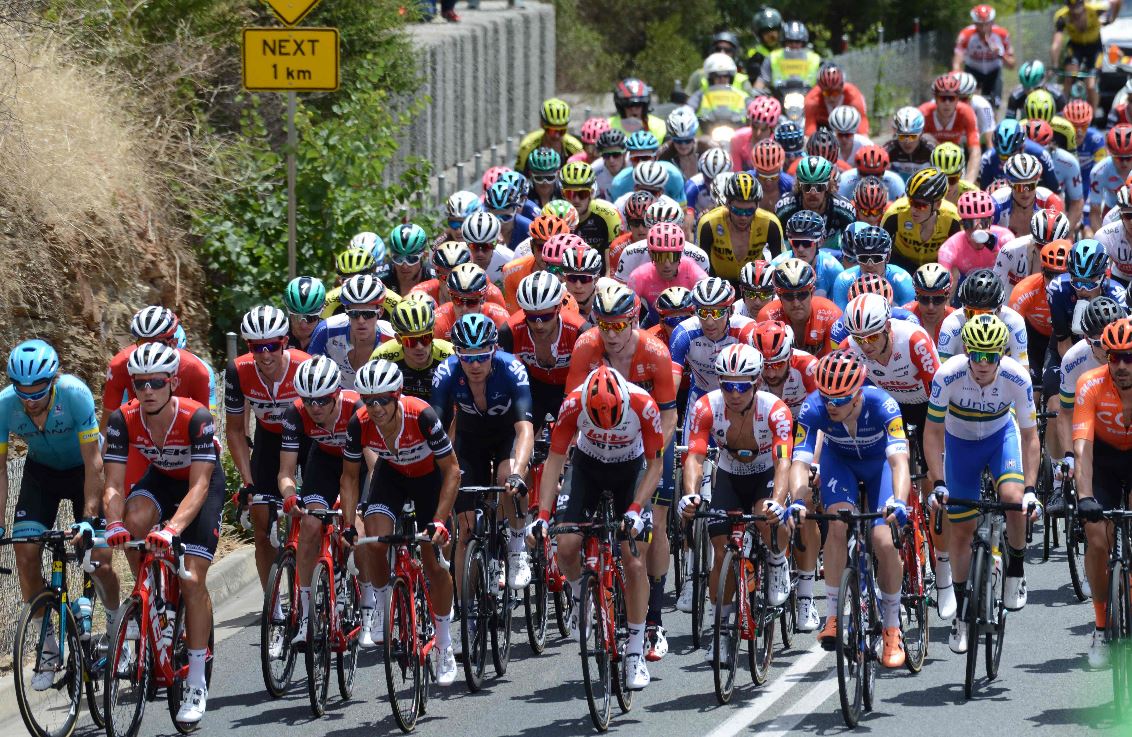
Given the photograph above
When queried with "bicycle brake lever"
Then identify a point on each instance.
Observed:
(1030, 523)
(797, 536)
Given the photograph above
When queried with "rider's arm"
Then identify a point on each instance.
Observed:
(289, 455)
(449, 486)
(1055, 48)
(522, 412)
(92, 478)
(782, 445)
(934, 429)
(560, 440)
(1027, 418)
(1113, 11)
(1083, 468)
(699, 433)
(81, 403)
(204, 455)
(654, 443)
(114, 454)
(235, 428)
(351, 468)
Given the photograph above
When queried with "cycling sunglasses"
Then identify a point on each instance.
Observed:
(838, 401)
(742, 212)
(908, 137)
(1031, 186)
(872, 258)
(919, 204)
(578, 195)
(1120, 358)
(712, 313)
(558, 129)
(362, 314)
(1126, 214)
(664, 257)
(869, 339)
(140, 384)
(946, 98)
(414, 259)
(1084, 285)
(762, 295)
(800, 295)
(541, 317)
(969, 312)
(614, 327)
(931, 299)
(989, 357)
(611, 154)
(815, 187)
(975, 224)
(503, 217)
(634, 223)
(320, 401)
(269, 346)
(737, 387)
(802, 243)
(455, 224)
(415, 341)
(308, 319)
(544, 178)
(580, 278)
(673, 320)
(33, 396)
(482, 246)
(381, 400)
(870, 213)
(467, 301)
(475, 357)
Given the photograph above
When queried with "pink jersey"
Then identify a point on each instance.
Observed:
(742, 157)
(957, 252)
(648, 285)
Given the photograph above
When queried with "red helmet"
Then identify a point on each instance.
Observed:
(1119, 140)
(605, 397)
(665, 238)
(545, 227)
(775, 340)
(946, 84)
(1079, 113)
(491, 176)
(982, 14)
(975, 205)
(840, 374)
(872, 160)
(831, 78)
(637, 203)
(1038, 131)
(764, 111)
(870, 284)
(557, 245)
(769, 156)
(871, 194)
(592, 130)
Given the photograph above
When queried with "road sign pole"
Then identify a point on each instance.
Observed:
(292, 145)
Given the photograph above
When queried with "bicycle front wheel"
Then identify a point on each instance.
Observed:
(318, 640)
(129, 672)
(503, 610)
(1117, 631)
(996, 630)
(701, 569)
(180, 646)
(850, 650)
(48, 663)
(726, 632)
(349, 629)
(475, 606)
(621, 636)
(402, 666)
(760, 652)
(278, 624)
(1075, 553)
(536, 599)
(974, 617)
(596, 671)
(914, 601)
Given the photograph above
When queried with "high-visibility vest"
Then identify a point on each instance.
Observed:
(722, 97)
(804, 67)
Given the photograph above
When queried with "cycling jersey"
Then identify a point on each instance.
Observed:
(950, 341)
(418, 382)
(972, 412)
(419, 442)
(697, 193)
(958, 253)
(636, 255)
(990, 165)
(713, 234)
(515, 338)
(1068, 172)
(654, 124)
(1063, 300)
(513, 273)
(1098, 414)
(848, 181)
(815, 337)
(983, 53)
(533, 140)
(1044, 199)
(839, 332)
(1028, 299)
(650, 367)
(963, 129)
(913, 309)
(1090, 151)
(770, 430)
(507, 395)
(189, 439)
(617, 248)
(1016, 102)
(878, 435)
(194, 380)
(909, 249)
(638, 434)
(334, 305)
(907, 163)
(1017, 259)
(432, 289)
(818, 106)
(600, 225)
(907, 376)
(984, 114)
(622, 184)
(298, 424)
(1117, 245)
(243, 382)
(1076, 361)
(1081, 36)
(899, 279)
(69, 423)
(827, 269)
(647, 282)
(695, 351)
(446, 318)
(801, 379)
(332, 339)
(838, 212)
(1104, 182)
(520, 231)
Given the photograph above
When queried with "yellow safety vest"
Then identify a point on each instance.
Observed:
(805, 67)
(655, 126)
(725, 97)
(741, 82)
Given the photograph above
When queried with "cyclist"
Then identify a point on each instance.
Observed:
(581, 269)
(977, 245)
(872, 249)
(349, 339)
(415, 462)
(457, 208)
(1090, 141)
(672, 307)
(871, 200)
(635, 229)
(373, 244)
(1069, 293)
(304, 298)
(724, 89)
(984, 111)
(909, 150)
(1031, 77)
(825, 144)
(1028, 299)
(503, 200)
(922, 221)
(790, 137)
(181, 494)
(741, 231)
(1076, 44)
(981, 414)
(949, 121)
(611, 147)
(830, 93)
(554, 116)
(932, 283)
(763, 114)
(543, 166)
(632, 98)
(1015, 205)
(1010, 139)
(407, 244)
(543, 229)
(1117, 238)
(726, 43)
(620, 440)
(867, 284)
(468, 286)
(815, 189)
(481, 231)
(591, 131)
(355, 261)
(668, 266)
(599, 222)
(864, 441)
(415, 351)
(810, 317)
(446, 257)
(788, 373)
(982, 49)
(756, 287)
(1021, 256)
(871, 161)
(753, 430)
(805, 231)
(983, 293)
(1066, 167)
(769, 158)
(793, 68)
(697, 188)
(950, 159)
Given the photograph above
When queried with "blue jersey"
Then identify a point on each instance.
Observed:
(520, 232)
(990, 166)
(1062, 298)
(826, 265)
(879, 432)
(71, 422)
(1104, 182)
(900, 280)
(851, 178)
(507, 394)
(1068, 171)
(529, 209)
(1090, 151)
(674, 187)
(838, 332)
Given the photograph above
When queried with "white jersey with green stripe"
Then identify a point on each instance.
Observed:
(973, 412)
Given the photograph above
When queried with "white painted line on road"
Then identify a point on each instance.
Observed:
(768, 697)
(783, 724)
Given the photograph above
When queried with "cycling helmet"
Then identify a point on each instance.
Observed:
(714, 162)
(474, 332)
(795, 31)
(982, 290)
(615, 300)
(793, 275)
(562, 209)
(712, 291)
(555, 112)
(1087, 260)
(726, 37)
(664, 211)
(739, 359)
(665, 238)
(840, 374)
(539, 292)
(1124, 197)
(266, 322)
(968, 85)
(764, 111)
(545, 227)
(379, 377)
(592, 130)
(468, 279)
(908, 121)
(985, 333)
(413, 317)
(824, 144)
(767, 19)
(872, 161)
(373, 243)
(718, 64)
(789, 136)
(1008, 137)
(155, 358)
(317, 376)
(554, 249)
(651, 174)
(1039, 131)
(304, 295)
(1079, 113)
(611, 141)
(1063, 134)
(1040, 105)
(867, 314)
(805, 225)
(544, 161)
(1031, 74)
(450, 254)
(848, 238)
(577, 175)
(830, 77)
(491, 176)
(775, 340)
(743, 188)
(354, 261)
(1117, 336)
(582, 261)
(719, 188)
(31, 362)
(947, 157)
(1055, 256)
(769, 156)
(1118, 140)
(480, 228)
(757, 274)
(870, 194)
(982, 14)
(154, 323)
(928, 184)
(1046, 226)
(605, 397)
(520, 185)
(410, 239)
(932, 278)
(675, 301)
(998, 183)
(975, 205)
(499, 196)
(945, 84)
(870, 284)
(637, 204)
(641, 141)
(458, 206)
(631, 91)
(845, 119)
(872, 241)
(362, 289)
(1022, 168)
(422, 297)
(1101, 312)
(814, 170)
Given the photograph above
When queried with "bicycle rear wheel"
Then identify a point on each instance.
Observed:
(536, 598)
(503, 611)
(180, 646)
(129, 672)
(701, 568)
(726, 640)
(96, 652)
(974, 617)
(788, 617)
(1116, 633)
(279, 597)
(760, 653)
(52, 709)
(596, 670)
(402, 666)
(476, 605)
(850, 652)
(996, 631)
(349, 627)
(621, 635)
(914, 603)
(318, 640)
(679, 554)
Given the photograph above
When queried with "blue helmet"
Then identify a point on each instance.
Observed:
(371, 242)
(872, 241)
(1087, 260)
(180, 337)
(849, 237)
(642, 140)
(519, 183)
(500, 196)
(31, 362)
(805, 225)
(1008, 137)
(789, 136)
(474, 332)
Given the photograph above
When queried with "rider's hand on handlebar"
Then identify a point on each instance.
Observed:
(688, 505)
(1031, 504)
(896, 511)
(939, 496)
(539, 524)
(81, 529)
(796, 510)
(161, 539)
(633, 521)
(349, 535)
(516, 485)
(1063, 469)
(773, 508)
(293, 505)
(117, 535)
(439, 532)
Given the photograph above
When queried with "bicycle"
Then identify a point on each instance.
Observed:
(282, 595)
(334, 616)
(410, 651)
(159, 658)
(1075, 542)
(700, 551)
(547, 580)
(1044, 485)
(602, 613)
(1118, 621)
(917, 552)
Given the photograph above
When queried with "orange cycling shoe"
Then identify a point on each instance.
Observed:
(828, 635)
(893, 656)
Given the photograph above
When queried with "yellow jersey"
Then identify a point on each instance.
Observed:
(909, 250)
(418, 382)
(531, 141)
(1091, 33)
(713, 234)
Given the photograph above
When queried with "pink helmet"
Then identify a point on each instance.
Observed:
(666, 237)
(592, 130)
(491, 176)
(975, 205)
(764, 111)
(553, 249)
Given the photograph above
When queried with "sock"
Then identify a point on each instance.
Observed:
(1015, 562)
(304, 601)
(381, 596)
(369, 595)
(942, 570)
(777, 558)
(960, 599)
(1100, 613)
(656, 596)
(726, 612)
(576, 589)
(196, 668)
(443, 633)
(636, 644)
(890, 609)
(516, 541)
(830, 601)
(806, 584)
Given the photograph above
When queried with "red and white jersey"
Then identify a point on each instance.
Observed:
(193, 380)
(242, 380)
(910, 369)
(639, 432)
(983, 54)
(189, 439)
(419, 442)
(801, 379)
(772, 427)
(297, 423)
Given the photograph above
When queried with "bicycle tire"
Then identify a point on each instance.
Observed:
(760, 653)
(476, 608)
(318, 640)
(1075, 552)
(1044, 485)
(426, 632)
(871, 633)
(596, 675)
(973, 617)
(996, 634)
(562, 604)
(621, 635)
(788, 619)
(54, 617)
(676, 545)
(281, 578)
(914, 602)
(138, 673)
(502, 615)
(725, 633)
(536, 598)
(350, 629)
(850, 667)
(399, 650)
(701, 568)
(1116, 634)
(180, 649)
(95, 652)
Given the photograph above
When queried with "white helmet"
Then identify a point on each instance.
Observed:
(968, 85)
(378, 377)
(739, 359)
(844, 119)
(714, 162)
(711, 291)
(153, 358)
(719, 187)
(461, 204)
(264, 323)
(682, 123)
(317, 377)
(719, 63)
(480, 227)
(154, 323)
(582, 261)
(539, 292)
(664, 210)
(867, 314)
(365, 241)
(651, 174)
(362, 289)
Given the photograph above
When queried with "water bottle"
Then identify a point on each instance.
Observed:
(748, 543)
(83, 612)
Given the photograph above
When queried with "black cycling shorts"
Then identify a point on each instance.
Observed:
(588, 478)
(1086, 56)
(731, 492)
(390, 489)
(917, 415)
(166, 493)
(546, 399)
(41, 490)
(479, 457)
(1112, 475)
(1051, 373)
(265, 461)
(322, 476)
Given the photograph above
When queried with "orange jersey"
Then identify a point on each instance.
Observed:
(431, 287)
(815, 339)
(1098, 412)
(650, 369)
(1028, 299)
(446, 318)
(516, 339)
(616, 248)
(513, 273)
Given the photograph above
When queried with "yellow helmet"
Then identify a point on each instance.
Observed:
(985, 332)
(949, 158)
(413, 317)
(1040, 104)
(577, 175)
(354, 261)
(928, 184)
(555, 112)
(1065, 129)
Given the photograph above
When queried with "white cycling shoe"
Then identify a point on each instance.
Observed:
(778, 590)
(446, 670)
(724, 651)
(1015, 595)
(945, 602)
(44, 677)
(656, 643)
(366, 637)
(519, 573)
(193, 707)
(957, 641)
(684, 601)
(275, 647)
(807, 614)
(636, 672)
(1098, 651)
(300, 637)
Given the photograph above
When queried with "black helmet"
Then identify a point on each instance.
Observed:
(1101, 312)
(726, 37)
(767, 19)
(796, 30)
(982, 290)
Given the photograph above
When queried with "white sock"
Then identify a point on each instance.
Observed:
(516, 541)
(196, 668)
(369, 595)
(443, 633)
(304, 601)
(636, 644)
(942, 570)
(830, 601)
(890, 609)
(576, 589)
(806, 583)
(382, 596)
(777, 558)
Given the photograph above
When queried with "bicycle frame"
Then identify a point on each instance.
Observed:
(330, 554)
(741, 524)
(149, 592)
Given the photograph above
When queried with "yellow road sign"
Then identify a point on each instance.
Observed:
(290, 59)
(292, 11)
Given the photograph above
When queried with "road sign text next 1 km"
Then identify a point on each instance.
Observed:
(290, 59)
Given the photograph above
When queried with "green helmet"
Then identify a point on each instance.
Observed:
(1031, 74)
(305, 295)
(544, 161)
(814, 170)
(767, 19)
(406, 241)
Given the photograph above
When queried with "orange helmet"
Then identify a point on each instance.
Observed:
(840, 374)
(769, 156)
(605, 397)
(1117, 336)
(545, 226)
(775, 340)
(870, 284)
(1055, 256)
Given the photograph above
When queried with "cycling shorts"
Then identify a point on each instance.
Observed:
(546, 399)
(586, 480)
(1086, 56)
(1036, 346)
(964, 461)
(41, 490)
(1112, 475)
(390, 489)
(916, 415)
(666, 490)
(839, 477)
(167, 493)
(733, 493)
(322, 475)
(1051, 372)
(480, 455)
(265, 463)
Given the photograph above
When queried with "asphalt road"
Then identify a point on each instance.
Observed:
(1044, 687)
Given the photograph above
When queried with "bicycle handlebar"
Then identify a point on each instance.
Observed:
(848, 517)
(989, 507)
(177, 551)
(408, 540)
(594, 528)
